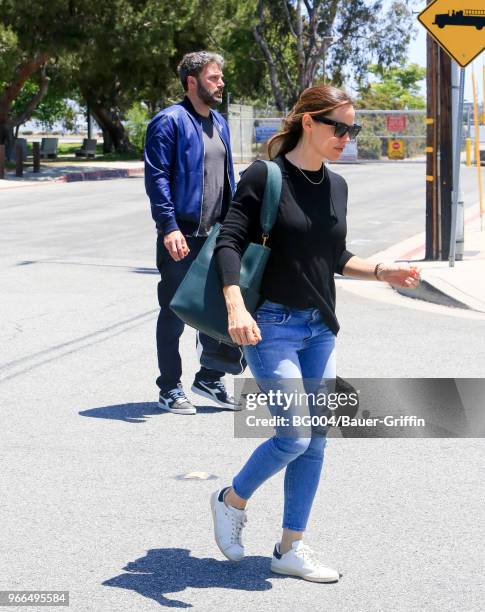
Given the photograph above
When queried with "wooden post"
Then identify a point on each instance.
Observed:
(446, 154)
(432, 226)
(19, 161)
(36, 155)
(2, 161)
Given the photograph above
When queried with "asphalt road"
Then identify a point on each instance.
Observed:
(89, 496)
(387, 202)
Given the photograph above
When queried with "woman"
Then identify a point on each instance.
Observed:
(292, 335)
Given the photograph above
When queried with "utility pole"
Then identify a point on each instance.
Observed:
(439, 151)
(445, 126)
(445, 113)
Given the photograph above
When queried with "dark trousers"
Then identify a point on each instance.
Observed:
(216, 359)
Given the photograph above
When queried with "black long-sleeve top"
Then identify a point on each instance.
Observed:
(307, 240)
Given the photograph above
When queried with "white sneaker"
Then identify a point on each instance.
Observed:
(302, 561)
(228, 525)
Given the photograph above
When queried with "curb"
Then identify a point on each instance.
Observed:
(99, 175)
(442, 291)
(431, 289)
(429, 293)
(73, 177)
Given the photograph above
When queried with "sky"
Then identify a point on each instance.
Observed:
(417, 55)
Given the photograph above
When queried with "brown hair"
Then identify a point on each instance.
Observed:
(192, 64)
(314, 101)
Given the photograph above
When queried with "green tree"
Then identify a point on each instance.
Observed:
(32, 38)
(396, 87)
(55, 105)
(223, 26)
(304, 42)
(137, 118)
(118, 53)
(141, 43)
(128, 60)
(16, 68)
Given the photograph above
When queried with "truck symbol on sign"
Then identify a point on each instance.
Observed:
(471, 18)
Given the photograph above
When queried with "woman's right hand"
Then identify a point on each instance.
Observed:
(242, 328)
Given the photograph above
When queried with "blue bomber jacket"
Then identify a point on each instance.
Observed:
(174, 167)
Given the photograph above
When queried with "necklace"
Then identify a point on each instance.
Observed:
(310, 180)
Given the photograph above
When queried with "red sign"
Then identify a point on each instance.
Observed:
(396, 123)
(396, 145)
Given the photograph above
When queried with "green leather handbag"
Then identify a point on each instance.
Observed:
(199, 300)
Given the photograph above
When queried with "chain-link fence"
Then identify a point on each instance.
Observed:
(386, 134)
(391, 134)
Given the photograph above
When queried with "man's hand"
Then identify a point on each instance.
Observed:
(176, 245)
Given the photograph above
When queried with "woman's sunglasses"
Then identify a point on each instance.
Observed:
(340, 128)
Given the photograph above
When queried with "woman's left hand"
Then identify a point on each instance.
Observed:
(407, 277)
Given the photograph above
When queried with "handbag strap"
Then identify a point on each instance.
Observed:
(271, 198)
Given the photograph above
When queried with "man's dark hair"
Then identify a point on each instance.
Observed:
(192, 64)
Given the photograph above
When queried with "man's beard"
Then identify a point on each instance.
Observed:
(207, 97)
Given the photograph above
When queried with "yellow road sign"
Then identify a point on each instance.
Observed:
(458, 26)
(395, 149)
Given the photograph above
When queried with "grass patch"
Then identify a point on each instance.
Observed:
(69, 148)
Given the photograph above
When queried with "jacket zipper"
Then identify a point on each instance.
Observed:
(202, 194)
(227, 165)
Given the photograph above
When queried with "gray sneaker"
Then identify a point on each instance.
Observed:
(176, 401)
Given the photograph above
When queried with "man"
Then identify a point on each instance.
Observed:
(190, 181)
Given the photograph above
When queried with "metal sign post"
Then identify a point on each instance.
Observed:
(456, 168)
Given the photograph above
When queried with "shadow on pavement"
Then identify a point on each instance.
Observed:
(210, 409)
(137, 413)
(130, 413)
(171, 570)
(145, 271)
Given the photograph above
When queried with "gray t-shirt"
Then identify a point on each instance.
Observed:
(214, 176)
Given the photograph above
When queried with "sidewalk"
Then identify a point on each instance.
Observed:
(461, 286)
(66, 172)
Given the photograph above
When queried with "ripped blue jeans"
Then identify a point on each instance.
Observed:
(296, 344)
